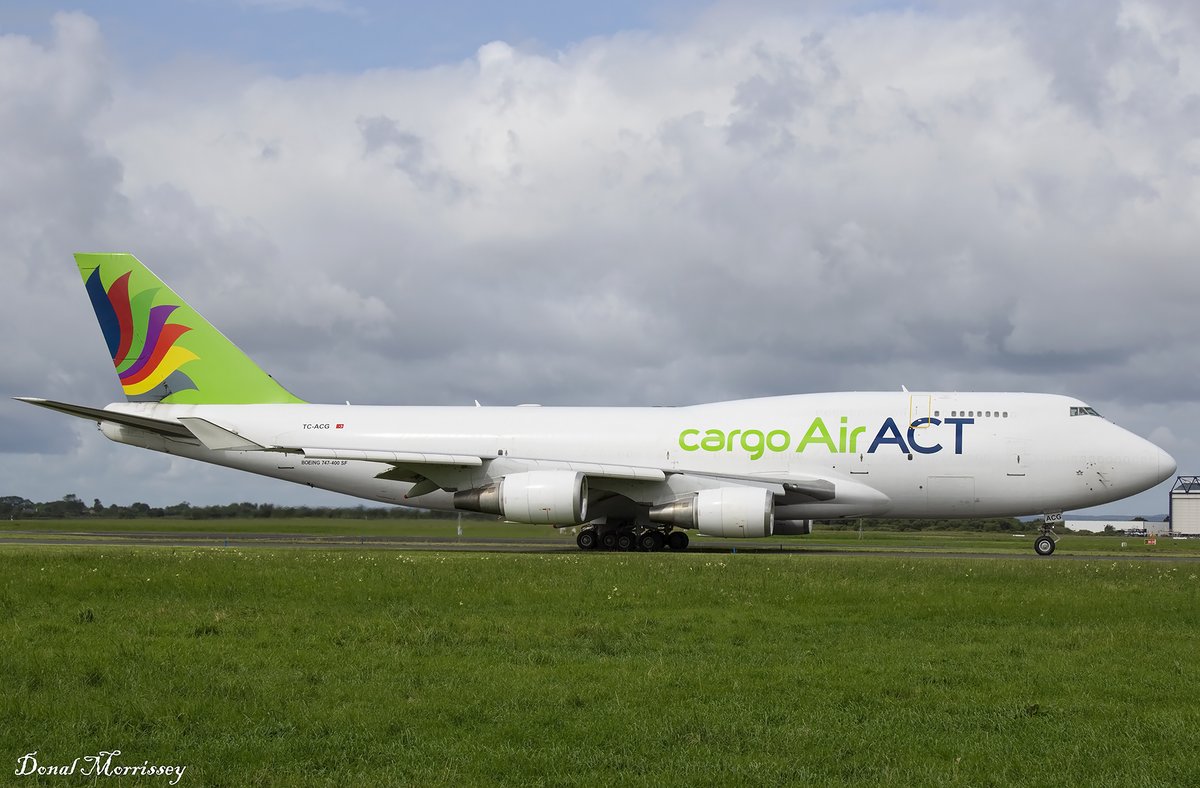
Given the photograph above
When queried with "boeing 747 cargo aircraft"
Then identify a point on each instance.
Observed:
(630, 478)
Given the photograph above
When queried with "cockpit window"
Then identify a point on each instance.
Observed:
(1083, 411)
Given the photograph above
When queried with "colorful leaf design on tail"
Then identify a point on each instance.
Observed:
(158, 355)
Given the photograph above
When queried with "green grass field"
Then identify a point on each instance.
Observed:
(318, 667)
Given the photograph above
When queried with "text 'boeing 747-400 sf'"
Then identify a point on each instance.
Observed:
(630, 478)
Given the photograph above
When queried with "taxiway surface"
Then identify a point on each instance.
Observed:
(507, 545)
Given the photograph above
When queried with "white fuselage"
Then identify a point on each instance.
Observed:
(896, 454)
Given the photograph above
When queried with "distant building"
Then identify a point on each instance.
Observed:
(1119, 526)
(1185, 505)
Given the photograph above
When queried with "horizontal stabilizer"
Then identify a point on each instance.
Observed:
(115, 417)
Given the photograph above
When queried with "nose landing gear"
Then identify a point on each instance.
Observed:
(1045, 543)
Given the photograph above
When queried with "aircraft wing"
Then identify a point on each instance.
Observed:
(430, 471)
(798, 495)
(218, 438)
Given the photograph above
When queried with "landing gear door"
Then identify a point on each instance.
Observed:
(920, 408)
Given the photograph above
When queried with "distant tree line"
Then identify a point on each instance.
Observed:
(13, 507)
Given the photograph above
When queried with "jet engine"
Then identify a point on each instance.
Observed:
(727, 511)
(551, 497)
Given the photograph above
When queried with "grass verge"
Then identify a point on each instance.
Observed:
(380, 668)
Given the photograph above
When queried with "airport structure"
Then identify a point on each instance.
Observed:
(1114, 526)
(1185, 506)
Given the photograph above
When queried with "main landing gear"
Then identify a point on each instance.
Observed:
(646, 540)
(587, 539)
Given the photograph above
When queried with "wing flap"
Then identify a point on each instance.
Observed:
(394, 457)
(593, 469)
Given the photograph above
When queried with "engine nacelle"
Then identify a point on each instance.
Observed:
(543, 497)
(727, 511)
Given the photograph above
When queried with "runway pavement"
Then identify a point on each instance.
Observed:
(510, 545)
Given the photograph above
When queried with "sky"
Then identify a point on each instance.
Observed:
(625, 203)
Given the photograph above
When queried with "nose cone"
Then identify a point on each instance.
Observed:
(1149, 464)
(1166, 466)
(1138, 465)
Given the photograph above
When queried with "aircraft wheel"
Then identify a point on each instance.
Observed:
(625, 541)
(677, 540)
(650, 541)
(587, 539)
(1043, 545)
(608, 540)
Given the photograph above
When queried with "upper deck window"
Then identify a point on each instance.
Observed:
(1077, 410)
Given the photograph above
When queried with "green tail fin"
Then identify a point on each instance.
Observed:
(163, 350)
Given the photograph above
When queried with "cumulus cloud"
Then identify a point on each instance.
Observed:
(752, 203)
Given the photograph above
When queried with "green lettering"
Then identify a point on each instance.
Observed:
(755, 448)
(817, 433)
(683, 437)
(786, 440)
(854, 438)
(729, 439)
(714, 440)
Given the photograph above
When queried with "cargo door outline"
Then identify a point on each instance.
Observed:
(951, 495)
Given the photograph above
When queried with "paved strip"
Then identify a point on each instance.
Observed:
(510, 545)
